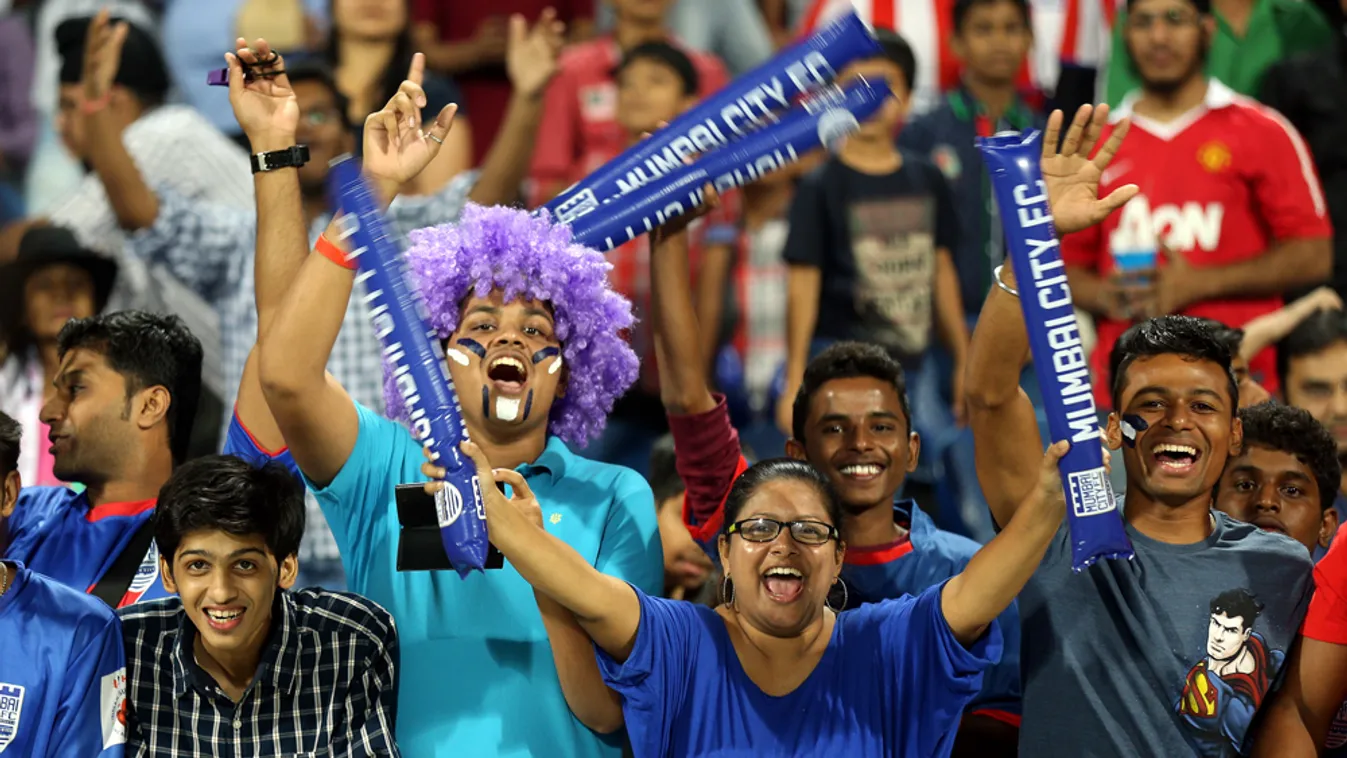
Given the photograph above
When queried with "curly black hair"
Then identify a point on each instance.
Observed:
(1293, 430)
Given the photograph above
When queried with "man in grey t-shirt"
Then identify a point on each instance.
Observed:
(1170, 653)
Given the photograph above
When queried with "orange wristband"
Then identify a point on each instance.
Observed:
(329, 250)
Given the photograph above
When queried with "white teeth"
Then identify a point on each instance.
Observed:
(508, 361)
(867, 469)
(784, 571)
(1180, 449)
(224, 615)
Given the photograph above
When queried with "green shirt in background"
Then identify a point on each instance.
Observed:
(1277, 29)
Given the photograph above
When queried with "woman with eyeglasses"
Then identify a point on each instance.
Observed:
(774, 669)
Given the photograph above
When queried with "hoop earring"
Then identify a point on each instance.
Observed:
(846, 597)
(726, 592)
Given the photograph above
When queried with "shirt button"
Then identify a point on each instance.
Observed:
(238, 724)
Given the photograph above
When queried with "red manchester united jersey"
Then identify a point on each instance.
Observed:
(1218, 186)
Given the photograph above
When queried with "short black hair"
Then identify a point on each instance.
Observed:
(1237, 603)
(774, 469)
(148, 350)
(1231, 337)
(312, 68)
(1169, 335)
(11, 436)
(962, 7)
(1293, 430)
(1203, 6)
(664, 479)
(899, 53)
(666, 55)
(229, 494)
(848, 360)
(1323, 329)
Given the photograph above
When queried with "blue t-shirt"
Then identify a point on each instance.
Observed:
(62, 672)
(478, 677)
(893, 682)
(56, 533)
(930, 557)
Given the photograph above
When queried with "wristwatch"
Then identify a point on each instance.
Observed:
(291, 157)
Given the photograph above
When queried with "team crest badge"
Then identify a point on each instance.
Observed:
(146, 575)
(1214, 156)
(112, 708)
(11, 712)
(945, 159)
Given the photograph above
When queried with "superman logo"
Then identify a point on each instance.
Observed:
(1199, 694)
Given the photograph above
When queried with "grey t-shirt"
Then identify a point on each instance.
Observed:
(1167, 654)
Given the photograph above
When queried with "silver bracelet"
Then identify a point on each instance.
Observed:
(996, 274)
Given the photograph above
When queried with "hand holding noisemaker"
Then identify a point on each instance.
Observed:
(399, 319)
(1060, 362)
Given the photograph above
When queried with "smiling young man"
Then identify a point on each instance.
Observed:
(62, 677)
(1285, 478)
(120, 414)
(237, 659)
(531, 332)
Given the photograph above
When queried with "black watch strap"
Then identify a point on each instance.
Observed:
(291, 157)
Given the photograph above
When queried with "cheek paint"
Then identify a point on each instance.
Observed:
(486, 403)
(474, 346)
(544, 354)
(1132, 425)
(457, 356)
(555, 367)
(528, 405)
(507, 409)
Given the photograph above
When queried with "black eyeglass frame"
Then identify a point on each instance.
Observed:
(738, 528)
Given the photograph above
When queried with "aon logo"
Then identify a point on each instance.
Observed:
(1177, 227)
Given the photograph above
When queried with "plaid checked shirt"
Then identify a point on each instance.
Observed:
(210, 248)
(326, 683)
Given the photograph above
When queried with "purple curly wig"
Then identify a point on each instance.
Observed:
(528, 256)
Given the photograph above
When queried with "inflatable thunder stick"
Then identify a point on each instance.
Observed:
(399, 318)
(749, 101)
(823, 119)
(1096, 526)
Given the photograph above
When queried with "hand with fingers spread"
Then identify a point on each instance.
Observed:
(532, 58)
(102, 58)
(396, 146)
(263, 102)
(1072, 176)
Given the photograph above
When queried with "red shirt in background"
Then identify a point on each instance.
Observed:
(580, 131)
(487, 90)
(1327, 617)
(1218, 186)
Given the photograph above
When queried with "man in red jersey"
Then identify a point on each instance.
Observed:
(1230, 212)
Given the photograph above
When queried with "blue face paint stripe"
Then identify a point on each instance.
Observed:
(486, 402)
(1132, 425)
(528, 404)
(474, 346)
(544, 354)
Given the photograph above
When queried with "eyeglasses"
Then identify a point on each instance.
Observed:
(766, 530)
(1173, 18)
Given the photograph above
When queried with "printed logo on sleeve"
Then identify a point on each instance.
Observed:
(11, 712)
(112, 708)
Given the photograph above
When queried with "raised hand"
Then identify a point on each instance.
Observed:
(263, 102)
(102, 58)
(531, 59)
(1072, 177)
(396, 148)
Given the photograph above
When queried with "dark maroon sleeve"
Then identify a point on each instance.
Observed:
(708, 458)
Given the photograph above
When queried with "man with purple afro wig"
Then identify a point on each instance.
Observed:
(532, 339)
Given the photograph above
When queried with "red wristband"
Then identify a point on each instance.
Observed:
(329, 250)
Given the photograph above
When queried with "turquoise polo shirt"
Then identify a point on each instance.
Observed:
(477, 676)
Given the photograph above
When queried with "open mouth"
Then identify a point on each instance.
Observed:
(861, 472)
(224, 620)
(508, 374)
(1176, 459)
(783, 584)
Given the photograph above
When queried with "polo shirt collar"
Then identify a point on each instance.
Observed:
(554, 461)
(278, 666)
(1218, 96)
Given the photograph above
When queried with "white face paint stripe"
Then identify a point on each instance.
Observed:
(457, 356)
(555, 367)
(507, 409)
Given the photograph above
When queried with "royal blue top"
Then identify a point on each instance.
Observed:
(894, 681)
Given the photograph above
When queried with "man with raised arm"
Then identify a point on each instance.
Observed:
(532, 335)
(1172, 652)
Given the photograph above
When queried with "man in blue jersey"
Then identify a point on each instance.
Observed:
(120, 412)
(852, 422)
(532, 334)
(62, 676)
(237, 658)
